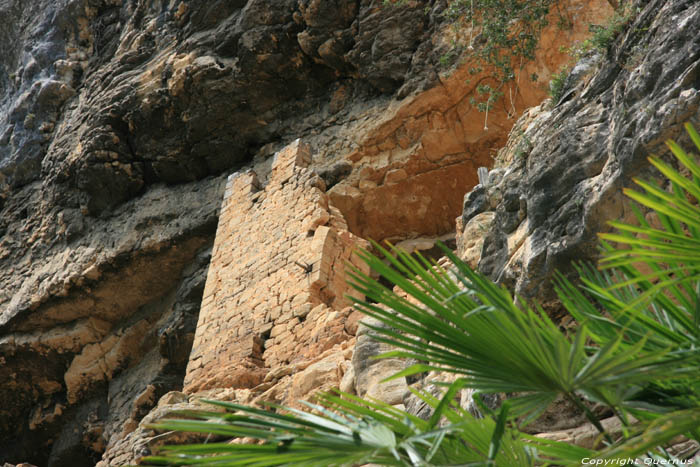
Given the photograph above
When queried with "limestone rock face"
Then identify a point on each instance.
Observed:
(119, 123)
(561, 175)
(369, 372)
(414, 160)
(116, 120)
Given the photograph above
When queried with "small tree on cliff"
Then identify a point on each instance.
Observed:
(503, 36)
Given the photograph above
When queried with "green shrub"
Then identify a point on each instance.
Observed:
(556, 85)
(602, 37)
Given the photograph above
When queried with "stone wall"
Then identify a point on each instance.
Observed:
(276, 276)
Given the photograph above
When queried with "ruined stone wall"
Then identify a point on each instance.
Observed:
(276, 276)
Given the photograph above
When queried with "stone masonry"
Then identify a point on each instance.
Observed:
(276, 283)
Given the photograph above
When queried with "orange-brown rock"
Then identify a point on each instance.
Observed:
(421, 153)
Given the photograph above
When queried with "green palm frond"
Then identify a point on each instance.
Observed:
(666, 319)
(475, 328)
(294, 438)
(672, 250)
(344, 431)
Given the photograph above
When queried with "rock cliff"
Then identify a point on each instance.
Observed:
(560, 177)
(121, 121)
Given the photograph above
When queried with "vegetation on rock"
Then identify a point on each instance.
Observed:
(599, 42)
(634, 352)
(556, 85)
(503, 36)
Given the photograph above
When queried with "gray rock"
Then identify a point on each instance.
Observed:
(370, 372)
(417, 406)
(475, 202)
(335, 173)
(591, 145)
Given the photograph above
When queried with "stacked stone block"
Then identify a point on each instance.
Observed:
(276, 283)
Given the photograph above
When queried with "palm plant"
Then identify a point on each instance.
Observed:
(346, 431)
(635, 350)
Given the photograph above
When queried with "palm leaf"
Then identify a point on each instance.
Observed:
(345, 431)
(500, 344)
